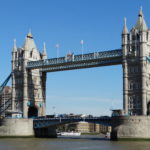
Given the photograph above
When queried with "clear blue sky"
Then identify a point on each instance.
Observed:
(98, 22)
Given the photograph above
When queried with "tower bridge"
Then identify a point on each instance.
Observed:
(29, 68)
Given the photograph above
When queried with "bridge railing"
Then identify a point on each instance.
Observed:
(75, 58)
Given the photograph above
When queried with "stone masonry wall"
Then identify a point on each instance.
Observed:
(130, 127)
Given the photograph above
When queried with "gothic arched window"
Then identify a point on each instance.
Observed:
(31, 54)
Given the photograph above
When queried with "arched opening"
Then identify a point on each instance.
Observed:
(148, 108)
(32, 112)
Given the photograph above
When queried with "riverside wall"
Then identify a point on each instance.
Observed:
(130, 127)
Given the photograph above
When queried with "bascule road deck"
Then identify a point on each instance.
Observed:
(46, 122)
(71, 61)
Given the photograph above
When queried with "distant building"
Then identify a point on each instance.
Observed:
(85, 127)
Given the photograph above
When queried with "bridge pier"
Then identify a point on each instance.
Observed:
(130, 127)
(16, 128)
(24, 128)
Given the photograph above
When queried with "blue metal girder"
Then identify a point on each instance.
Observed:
(47, 122)
(5, 106)
(70, 62)
(4, 83)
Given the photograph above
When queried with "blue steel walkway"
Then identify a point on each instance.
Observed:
(71, 61)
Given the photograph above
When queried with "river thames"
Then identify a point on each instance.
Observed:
(71, 143)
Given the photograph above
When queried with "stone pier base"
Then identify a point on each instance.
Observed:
(16, 127)
(130, 127)
(23, 128)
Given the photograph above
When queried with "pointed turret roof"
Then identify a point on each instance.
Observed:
(29, 42)
(29, 35)
(44, 53)
(14, 47)
(141, 24)
(125, 29)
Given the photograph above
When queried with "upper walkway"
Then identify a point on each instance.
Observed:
(71, 61)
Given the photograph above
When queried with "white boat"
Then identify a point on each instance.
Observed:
(107, 135)
(70, 133)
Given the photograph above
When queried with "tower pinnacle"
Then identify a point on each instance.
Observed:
(29, 42)
(125, 29)
(141, 24)
(29, 35)
(14, 47)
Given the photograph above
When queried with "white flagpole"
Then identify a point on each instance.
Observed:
(57, 49)
(82, 47)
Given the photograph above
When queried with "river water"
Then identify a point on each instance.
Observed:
(71, 143)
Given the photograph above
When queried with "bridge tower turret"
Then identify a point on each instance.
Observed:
(136, 68)
(28, 86)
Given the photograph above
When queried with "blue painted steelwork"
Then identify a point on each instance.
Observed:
(72, 61)
(4, 107)
(47, 122)
(4, 83)
(148, 59)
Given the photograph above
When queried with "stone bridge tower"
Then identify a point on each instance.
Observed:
(28, 86)
(136, 68)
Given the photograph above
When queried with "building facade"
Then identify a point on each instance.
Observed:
(136, 68)
(28, 86)
(85, 127)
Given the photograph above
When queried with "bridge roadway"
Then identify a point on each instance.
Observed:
(71, 61)
(47, 122)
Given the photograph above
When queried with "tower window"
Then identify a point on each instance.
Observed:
(138, 37)
(16, 55)
(133, 47)
(133, 37)
(22, 53)
(128, 37)
(30, 54)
